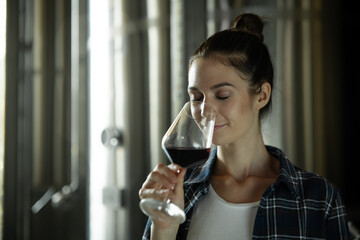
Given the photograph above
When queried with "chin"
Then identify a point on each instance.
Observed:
(223, 139)
(218, 141)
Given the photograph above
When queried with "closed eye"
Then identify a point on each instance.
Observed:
(196, 99)
(223, 95)
(195, 95)
(222, 98)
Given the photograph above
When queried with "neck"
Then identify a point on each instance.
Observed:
(244, 159)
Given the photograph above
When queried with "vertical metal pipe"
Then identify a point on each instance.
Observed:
(60, 135)
(178, 55)
(18, 120)
(159, 75)
(307, 83)
(188, 30)
(286, 72)
(319, 102)
(38, 100)
(117, 177)
(136, 113)
(211, 25)
(10, 226)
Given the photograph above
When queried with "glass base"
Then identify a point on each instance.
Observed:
(157, 209)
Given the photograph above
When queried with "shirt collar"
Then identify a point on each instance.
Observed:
(287, 173)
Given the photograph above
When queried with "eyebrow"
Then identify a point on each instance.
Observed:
(215, 86)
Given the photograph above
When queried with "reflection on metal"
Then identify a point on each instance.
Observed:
(2, 105)
(43, 200)
(55, 197)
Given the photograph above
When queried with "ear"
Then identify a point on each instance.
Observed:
(263, 97)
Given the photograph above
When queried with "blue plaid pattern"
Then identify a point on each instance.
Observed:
(299, 205)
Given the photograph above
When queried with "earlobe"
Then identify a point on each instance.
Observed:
(263, 96)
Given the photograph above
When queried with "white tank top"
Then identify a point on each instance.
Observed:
(214, 219)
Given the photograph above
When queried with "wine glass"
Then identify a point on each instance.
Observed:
(187, 143)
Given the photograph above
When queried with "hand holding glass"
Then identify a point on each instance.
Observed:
(187, 143)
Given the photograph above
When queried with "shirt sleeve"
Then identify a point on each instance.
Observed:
(336, 223)
(146, 235)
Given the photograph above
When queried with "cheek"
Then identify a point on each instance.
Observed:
(237, 109)
(239, 115)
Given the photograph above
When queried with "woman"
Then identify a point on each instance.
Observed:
(246, 190)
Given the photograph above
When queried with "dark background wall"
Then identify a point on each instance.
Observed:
(349, 27)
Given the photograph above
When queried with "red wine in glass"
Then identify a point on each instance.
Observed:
(187, 143)
(188, 156)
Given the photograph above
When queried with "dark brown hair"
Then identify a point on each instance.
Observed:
(241, 47)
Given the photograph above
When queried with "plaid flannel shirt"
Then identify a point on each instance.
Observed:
(299, 205)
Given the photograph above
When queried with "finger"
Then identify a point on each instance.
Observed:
(169, 171)
(160, 194)
(174, 167)
(159, 180)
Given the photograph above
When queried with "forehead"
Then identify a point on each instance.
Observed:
(207, 72)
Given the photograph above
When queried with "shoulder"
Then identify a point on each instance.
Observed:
(314, 199)
(306, 185)
(318, 194)
(314, 186)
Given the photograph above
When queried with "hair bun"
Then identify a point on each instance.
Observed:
(250, 23)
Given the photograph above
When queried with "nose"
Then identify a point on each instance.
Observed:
(202, 110)
(208, 110)
(209, 102)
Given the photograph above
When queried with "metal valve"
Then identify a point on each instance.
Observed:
(112, 137)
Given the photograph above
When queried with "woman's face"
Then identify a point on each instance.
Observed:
(222, 88)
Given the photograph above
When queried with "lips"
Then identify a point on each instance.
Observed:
(219, 126)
